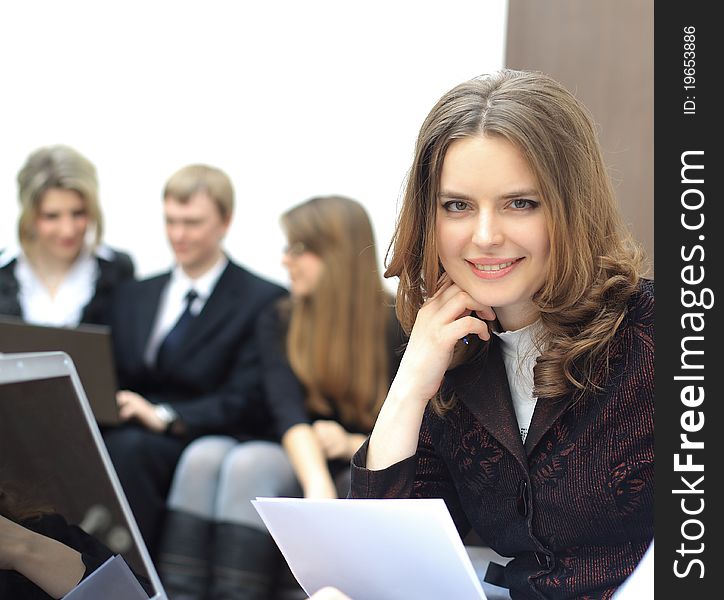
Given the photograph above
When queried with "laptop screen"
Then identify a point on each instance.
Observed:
(52, 456)
(88, 345)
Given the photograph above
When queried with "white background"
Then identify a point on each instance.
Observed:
(291, 99)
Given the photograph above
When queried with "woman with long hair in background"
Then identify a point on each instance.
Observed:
(328, 353)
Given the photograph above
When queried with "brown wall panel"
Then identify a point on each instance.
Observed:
(603, 51)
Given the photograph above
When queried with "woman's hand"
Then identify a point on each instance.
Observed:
(335, 440)
(308, 461)
(441, 322)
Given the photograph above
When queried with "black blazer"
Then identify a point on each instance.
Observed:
(115, 269)
(213, 382)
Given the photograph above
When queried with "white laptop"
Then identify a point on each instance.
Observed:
(51, 450)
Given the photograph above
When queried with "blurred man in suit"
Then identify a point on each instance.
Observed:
(184, 347)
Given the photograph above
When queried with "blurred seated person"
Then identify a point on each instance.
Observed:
(41, 555)
(184, 344)
(60, 274)
(328, 356)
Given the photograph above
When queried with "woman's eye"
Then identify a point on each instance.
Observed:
(523, 203)
(456, 205)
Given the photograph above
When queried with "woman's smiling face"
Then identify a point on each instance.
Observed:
(61, 224)
(491, 231)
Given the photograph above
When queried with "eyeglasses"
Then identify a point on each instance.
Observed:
(295, 249)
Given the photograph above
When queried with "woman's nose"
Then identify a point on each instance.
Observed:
(68, 226)
(488, 230)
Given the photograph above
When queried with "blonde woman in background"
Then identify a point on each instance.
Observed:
(60, 274)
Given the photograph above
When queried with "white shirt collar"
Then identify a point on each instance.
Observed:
(65, 308)
(521, 342)
(203, 285)
(9, 254)
(104, 252)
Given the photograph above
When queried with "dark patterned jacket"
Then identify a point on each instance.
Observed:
(574, 506)
(114, 267)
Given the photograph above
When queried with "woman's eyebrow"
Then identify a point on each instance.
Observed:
(523, 192)
(453, 195)
(514, 194)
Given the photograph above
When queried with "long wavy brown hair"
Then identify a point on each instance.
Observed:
(336, 342)
(594, 264)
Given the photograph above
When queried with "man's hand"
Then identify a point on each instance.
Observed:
(134, 406)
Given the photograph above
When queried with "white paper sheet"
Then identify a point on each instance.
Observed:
(372, 549)
(113, 580)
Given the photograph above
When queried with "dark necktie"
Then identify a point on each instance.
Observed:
(175, 337)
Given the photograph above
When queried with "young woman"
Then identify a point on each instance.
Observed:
(525, 395)
(60, 274)
(328, 354)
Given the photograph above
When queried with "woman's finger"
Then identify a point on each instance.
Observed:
(457, 303)
(466, 326)
(487, 314)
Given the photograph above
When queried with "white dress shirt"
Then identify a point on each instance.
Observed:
(65, 308)
(519, 355)
(173, 303)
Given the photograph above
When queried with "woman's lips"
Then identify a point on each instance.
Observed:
(493, 268)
